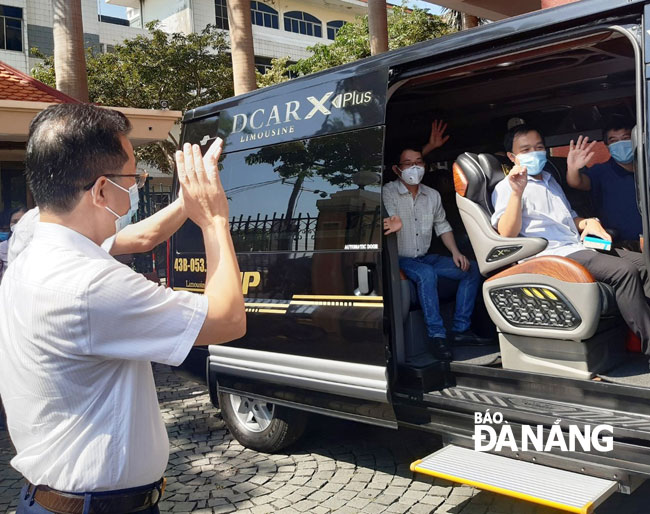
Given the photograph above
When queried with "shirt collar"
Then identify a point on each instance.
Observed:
(546, 176)
(401, 188)
(60, 235)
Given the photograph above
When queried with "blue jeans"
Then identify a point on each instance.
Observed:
(424, 271)
(27, 505)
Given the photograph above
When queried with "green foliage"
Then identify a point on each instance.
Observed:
(184, 70)
(406, 26)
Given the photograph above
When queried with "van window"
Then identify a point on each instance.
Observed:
(315, 194)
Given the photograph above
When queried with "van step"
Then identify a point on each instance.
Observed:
(571, 492)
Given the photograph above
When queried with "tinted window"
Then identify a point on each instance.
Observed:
(11, 34)
(316, 194)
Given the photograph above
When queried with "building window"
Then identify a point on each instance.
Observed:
(221, 10)
(262, 64)
(303, 23)
(264, 16)
(11, 28)
(333, 28)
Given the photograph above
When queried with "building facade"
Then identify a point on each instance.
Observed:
(281, 28)
(26, 24)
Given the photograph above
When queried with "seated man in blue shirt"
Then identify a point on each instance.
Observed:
(612, 184)
(415, 211)
(529, 202)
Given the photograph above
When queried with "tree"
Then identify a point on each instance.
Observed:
(377, 26)
(178, 71)
(241, 40)
(458, 20)
(406, 26)
(69, 53)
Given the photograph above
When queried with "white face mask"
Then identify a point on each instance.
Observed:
(134, 198)
(413, 175)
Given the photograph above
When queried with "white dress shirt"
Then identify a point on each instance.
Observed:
(545, 213)
(77, 333)
(419, 215)
(24, 232)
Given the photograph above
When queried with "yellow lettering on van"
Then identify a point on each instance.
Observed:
(249, 279)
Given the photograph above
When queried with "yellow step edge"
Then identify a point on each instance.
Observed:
(587, 509)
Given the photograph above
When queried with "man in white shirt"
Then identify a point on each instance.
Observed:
(415, 210)
(529, 202)
(77, 383)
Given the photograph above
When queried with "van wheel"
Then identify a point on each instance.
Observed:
(261, 425)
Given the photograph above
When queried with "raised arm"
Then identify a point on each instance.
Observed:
(206, 204)
(509, 224)
(145, 235)
(578, 157)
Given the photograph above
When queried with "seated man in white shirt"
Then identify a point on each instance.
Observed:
(78, 330)
(415, 210)
(529, 202)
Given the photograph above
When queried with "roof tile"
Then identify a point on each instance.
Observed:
(15, 85)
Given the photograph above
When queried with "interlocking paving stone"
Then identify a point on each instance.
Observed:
(337, 466)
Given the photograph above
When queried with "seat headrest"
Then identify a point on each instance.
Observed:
(494, 168)
(469, 179)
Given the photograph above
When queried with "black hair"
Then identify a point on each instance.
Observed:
(518, 130)
(20, 208)
(617, 122)
(70, 146)
(398, 155)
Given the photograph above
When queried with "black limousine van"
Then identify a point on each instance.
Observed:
(556, 411)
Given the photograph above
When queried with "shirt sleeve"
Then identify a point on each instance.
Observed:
(440, 223)
(390, 200)
(500, 197)
(132, 318)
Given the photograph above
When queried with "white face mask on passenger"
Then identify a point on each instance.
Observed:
(134, 198)
(413, 175)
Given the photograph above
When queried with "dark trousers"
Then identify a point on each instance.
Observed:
(27, 505)
(627, 274)
(424, 271)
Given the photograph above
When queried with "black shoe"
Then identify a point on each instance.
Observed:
(440, 349)
(469, 338)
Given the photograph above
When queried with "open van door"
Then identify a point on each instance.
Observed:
(642, 129)
(301, 167)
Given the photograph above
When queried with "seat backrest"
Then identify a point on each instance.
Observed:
(475, 177)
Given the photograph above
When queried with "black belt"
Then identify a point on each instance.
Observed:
(108, 502)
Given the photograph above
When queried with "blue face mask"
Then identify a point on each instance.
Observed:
(622, 151)
(534, 162)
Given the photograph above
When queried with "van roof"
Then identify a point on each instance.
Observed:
(534, 23)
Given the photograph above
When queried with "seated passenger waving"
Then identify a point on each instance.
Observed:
(531, 203)
(415, 210)
(612, 183)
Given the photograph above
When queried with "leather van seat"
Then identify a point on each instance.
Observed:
(552, 316)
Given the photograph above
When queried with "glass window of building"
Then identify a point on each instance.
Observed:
(333, 28)
(11, 28)
(221, 12)
(264, 16)
(303, 23)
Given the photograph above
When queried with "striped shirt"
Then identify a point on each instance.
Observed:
(419, 215)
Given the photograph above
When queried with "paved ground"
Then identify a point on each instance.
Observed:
(338, 467)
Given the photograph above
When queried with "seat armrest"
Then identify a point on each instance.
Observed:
(551, 297)
(494, 251)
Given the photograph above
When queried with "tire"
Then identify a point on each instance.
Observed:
(260, 425)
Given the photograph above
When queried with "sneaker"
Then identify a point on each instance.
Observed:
(440, 349)
(469, 338)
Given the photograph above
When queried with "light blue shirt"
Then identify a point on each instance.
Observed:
(545, 213)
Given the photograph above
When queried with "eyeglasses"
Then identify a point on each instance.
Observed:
(140, 179)
(417, 162)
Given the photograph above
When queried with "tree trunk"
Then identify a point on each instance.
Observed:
(69, 52)
(377, 26)
(554, 3)
(469, 21)
(241, 44)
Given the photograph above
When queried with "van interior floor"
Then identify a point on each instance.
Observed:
(487, 355)
(634, 371)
